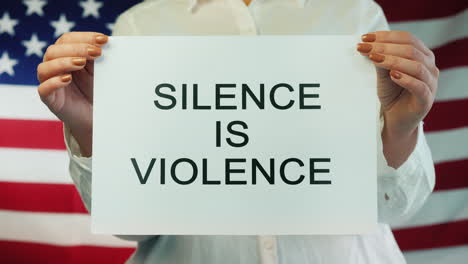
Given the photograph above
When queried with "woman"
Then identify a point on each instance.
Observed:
(407, 83)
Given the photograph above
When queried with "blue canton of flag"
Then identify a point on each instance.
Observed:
(27, 27)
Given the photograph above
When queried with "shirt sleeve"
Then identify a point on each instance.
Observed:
(401, 192)
(80, 168)
(125, 25)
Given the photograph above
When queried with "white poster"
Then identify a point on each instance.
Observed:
(234, 135)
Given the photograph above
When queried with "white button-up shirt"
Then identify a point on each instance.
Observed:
(400, 192)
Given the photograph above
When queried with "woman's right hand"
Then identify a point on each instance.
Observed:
(66, 82)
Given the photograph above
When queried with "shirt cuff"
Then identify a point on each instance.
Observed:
(74, 151)
(403, 191)
(413, 160)
(411, 164)
(79, 168)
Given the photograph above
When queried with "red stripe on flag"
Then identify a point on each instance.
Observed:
(404, 10)
(452, 54)
(433, 236)
(447, 115)
(451, 175)
(40, 197)
(21, 252)
(35, 134)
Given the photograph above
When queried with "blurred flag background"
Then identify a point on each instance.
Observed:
(42, 218)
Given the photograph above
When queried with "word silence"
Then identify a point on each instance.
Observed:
(225, 94)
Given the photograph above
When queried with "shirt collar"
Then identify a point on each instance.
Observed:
(193, 3)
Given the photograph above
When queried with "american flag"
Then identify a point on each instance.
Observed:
(42, 218)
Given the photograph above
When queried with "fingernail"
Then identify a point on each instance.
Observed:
(364, 47)
(368, 37)
(377, 57)
(66, 78)
(94, 52)
(101, 39)
(79, 61)
(395, 74)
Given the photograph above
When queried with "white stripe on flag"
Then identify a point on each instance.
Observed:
(22, 102)
(449, 144)
(440, 207)
(55, 229)
(437, 32)
(33, 165)
(453, 84)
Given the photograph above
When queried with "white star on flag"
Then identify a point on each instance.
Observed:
(62, 25)
(35, 6)
(6, 64)
(7, 24)
(110, 26)
(90, 8)
(34, 46)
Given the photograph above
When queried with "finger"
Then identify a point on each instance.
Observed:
(48, 87)
(410, 67)
(82, 77)
(419, 89)
(59, 66)
(397, 37)
(93, 38)
(399, 50)
(88, 51)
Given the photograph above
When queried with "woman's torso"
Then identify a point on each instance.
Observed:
(261, 17)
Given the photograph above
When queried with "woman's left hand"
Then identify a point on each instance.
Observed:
(406, 86)
(407, 78)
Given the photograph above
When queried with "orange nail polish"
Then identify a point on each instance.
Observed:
(66, 78)
(101, 39)
(368, 37)
(364, 47)
(79, 61)
(377, 57)
(395, 74)
(94, 52)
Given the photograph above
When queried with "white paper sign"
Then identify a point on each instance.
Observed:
(234, 135)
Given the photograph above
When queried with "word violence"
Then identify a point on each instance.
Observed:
(237, 171)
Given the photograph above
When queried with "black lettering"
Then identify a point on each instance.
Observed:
(138, 172)
(159, 93)
(259, 102)
(303, 95)
(163, 171)
(273, 93)
(228, 172)
(184, 96)
(218, 134)
(194, 168)
(205, 175)
(244, 136)
(219, 95)
(195, 100)
(283, 175)
(269, 177)
(313, 170)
